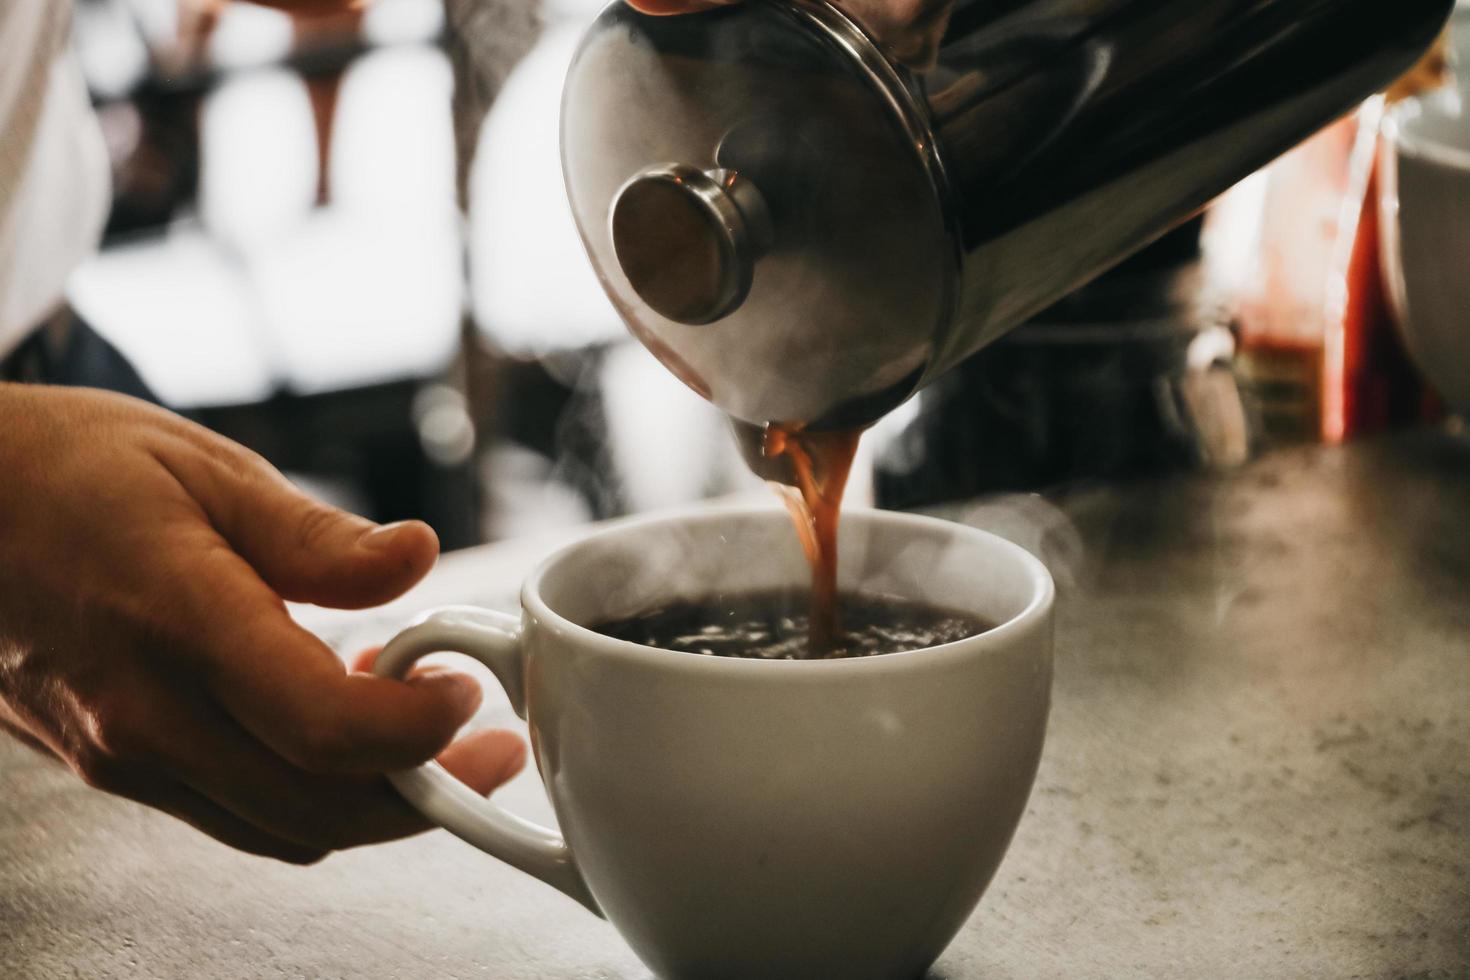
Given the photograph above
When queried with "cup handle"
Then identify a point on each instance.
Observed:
(494, 639)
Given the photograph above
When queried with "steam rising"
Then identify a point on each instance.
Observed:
(1034, 523)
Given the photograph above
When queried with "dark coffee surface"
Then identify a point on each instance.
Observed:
(774, 626)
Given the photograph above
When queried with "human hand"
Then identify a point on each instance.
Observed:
(908, 31)
(306, 9)
(145, 643)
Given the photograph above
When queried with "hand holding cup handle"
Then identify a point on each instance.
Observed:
(493, 639)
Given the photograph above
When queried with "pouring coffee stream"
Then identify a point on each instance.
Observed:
(820, 464)
(807, 233)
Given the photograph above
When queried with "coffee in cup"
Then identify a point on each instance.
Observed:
(775, 625)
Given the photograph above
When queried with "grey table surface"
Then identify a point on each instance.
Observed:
(1258, 764)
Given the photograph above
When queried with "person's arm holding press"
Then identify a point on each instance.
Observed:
(909, 31)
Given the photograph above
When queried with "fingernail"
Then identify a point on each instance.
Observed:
(468, 693)
(513, 766)
(381, 538)
(462, 689)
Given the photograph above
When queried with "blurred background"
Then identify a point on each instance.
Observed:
(345, 243)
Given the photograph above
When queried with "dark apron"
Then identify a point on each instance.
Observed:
(64, 350)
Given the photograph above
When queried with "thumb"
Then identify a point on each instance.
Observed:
(305, 550)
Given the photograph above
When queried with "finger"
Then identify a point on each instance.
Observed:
(292, 693)
(322, 812)
(304, 549)
(663, 8)
(363, 662)
(485, 759)
(225, 827)
(310, 9)
(909, 31)
(203, 815)
(224, 764)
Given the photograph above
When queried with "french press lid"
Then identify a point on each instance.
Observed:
(758, 194)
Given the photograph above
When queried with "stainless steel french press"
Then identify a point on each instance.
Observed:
(805, 232)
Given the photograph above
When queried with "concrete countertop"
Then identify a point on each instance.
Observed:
(1258, 765)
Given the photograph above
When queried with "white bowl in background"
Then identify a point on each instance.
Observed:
(1424, 222)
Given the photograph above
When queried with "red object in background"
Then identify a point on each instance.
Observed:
(1369, 383)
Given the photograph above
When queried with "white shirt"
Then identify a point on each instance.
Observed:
(54, 184)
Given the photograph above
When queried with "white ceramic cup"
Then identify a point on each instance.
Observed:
(738, 818)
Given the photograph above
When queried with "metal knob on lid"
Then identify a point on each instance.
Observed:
(688, 239)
